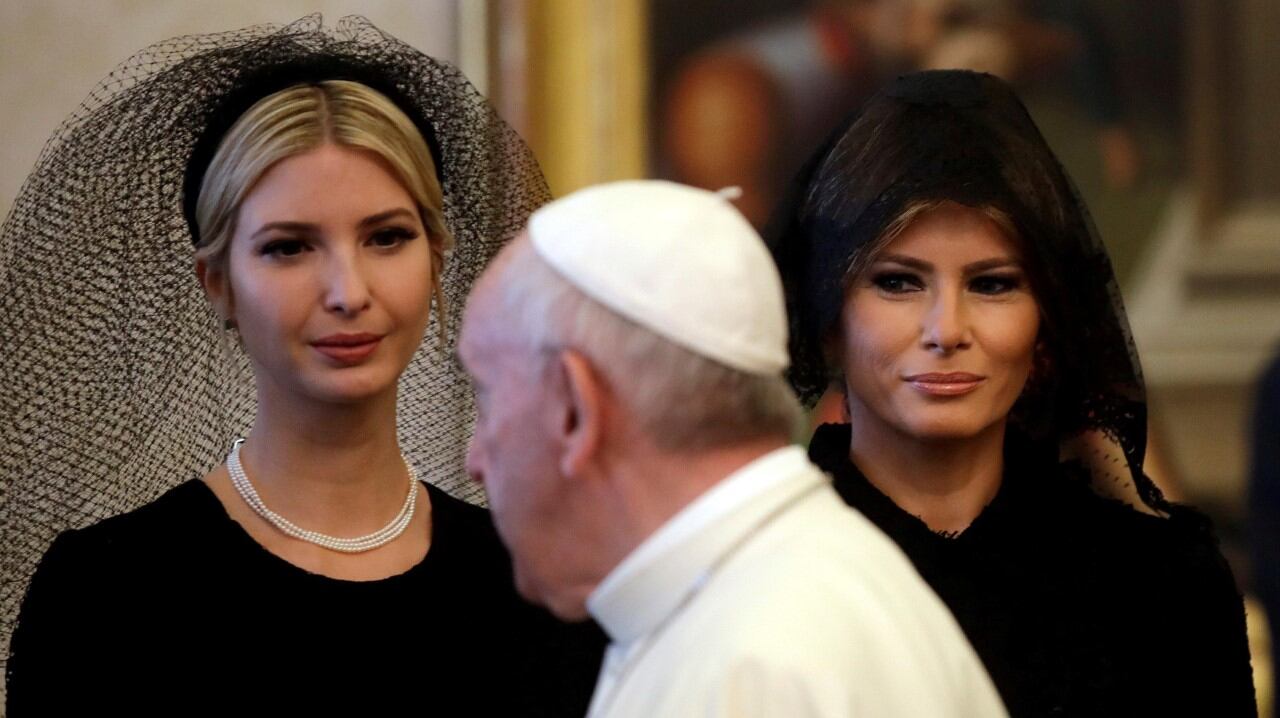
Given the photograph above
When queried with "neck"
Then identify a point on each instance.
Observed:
(335, 468)
(651, 487)
(946, 483)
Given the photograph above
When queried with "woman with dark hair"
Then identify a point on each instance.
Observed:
(336, 191)
(944, 274)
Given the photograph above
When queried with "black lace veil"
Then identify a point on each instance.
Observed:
(119, 382)
(965, 137)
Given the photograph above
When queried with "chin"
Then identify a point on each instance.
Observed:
(569, 608)
(346, 398)
(942, 434)
(568, 611)
(351, 388)
(945, 428)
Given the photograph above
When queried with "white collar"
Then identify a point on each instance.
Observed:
(653, 580)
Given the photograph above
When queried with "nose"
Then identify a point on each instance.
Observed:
(945, 326)
(347, 292)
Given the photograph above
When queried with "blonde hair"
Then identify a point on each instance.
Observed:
(299, 119)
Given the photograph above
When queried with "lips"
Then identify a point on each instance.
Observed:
(948, 384)
(347, 349)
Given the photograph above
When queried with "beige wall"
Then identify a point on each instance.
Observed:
(53, 52)
(587, 68)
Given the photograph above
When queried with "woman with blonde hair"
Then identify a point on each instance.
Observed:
(341, 190)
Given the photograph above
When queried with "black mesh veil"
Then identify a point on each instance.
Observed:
(118, 381)
(965, 137)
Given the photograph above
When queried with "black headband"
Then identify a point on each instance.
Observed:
(256, 84)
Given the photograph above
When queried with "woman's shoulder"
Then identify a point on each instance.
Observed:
(1183, 547)
(91, 577)
(1179, 545)
(466, 512)
(458, 517)
(1171, 570)
(184, 510)
(464, 537)
(178, 506)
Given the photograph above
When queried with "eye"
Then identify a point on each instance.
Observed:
(994, 284)
(897, 282)
(281, 248)
(391, 237)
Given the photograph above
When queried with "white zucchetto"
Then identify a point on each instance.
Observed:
(680, 261)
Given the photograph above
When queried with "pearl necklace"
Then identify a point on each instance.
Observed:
(359, 544)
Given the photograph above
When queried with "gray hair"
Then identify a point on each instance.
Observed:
(682, 400)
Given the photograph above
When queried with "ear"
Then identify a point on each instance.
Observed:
(217, 289)
(585, 409)
(833, 405)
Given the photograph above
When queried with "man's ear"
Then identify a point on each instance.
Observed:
(584, 416)
(217, 289)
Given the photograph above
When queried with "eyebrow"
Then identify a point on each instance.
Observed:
(981, 265)
(297, 227)
(384, 216)
(307, 227)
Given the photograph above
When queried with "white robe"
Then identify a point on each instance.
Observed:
(768, 596)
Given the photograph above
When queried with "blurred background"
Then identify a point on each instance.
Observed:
(1165, 112)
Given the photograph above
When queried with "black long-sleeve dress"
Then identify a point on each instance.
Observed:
(174, 609)
(1078, 605)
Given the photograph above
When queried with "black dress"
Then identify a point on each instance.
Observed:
(174, 609)
(1078, 605)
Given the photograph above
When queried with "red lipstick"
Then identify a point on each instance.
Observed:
(948, 384)
(347, 349)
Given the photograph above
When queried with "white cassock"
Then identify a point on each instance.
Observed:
(768, 596)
